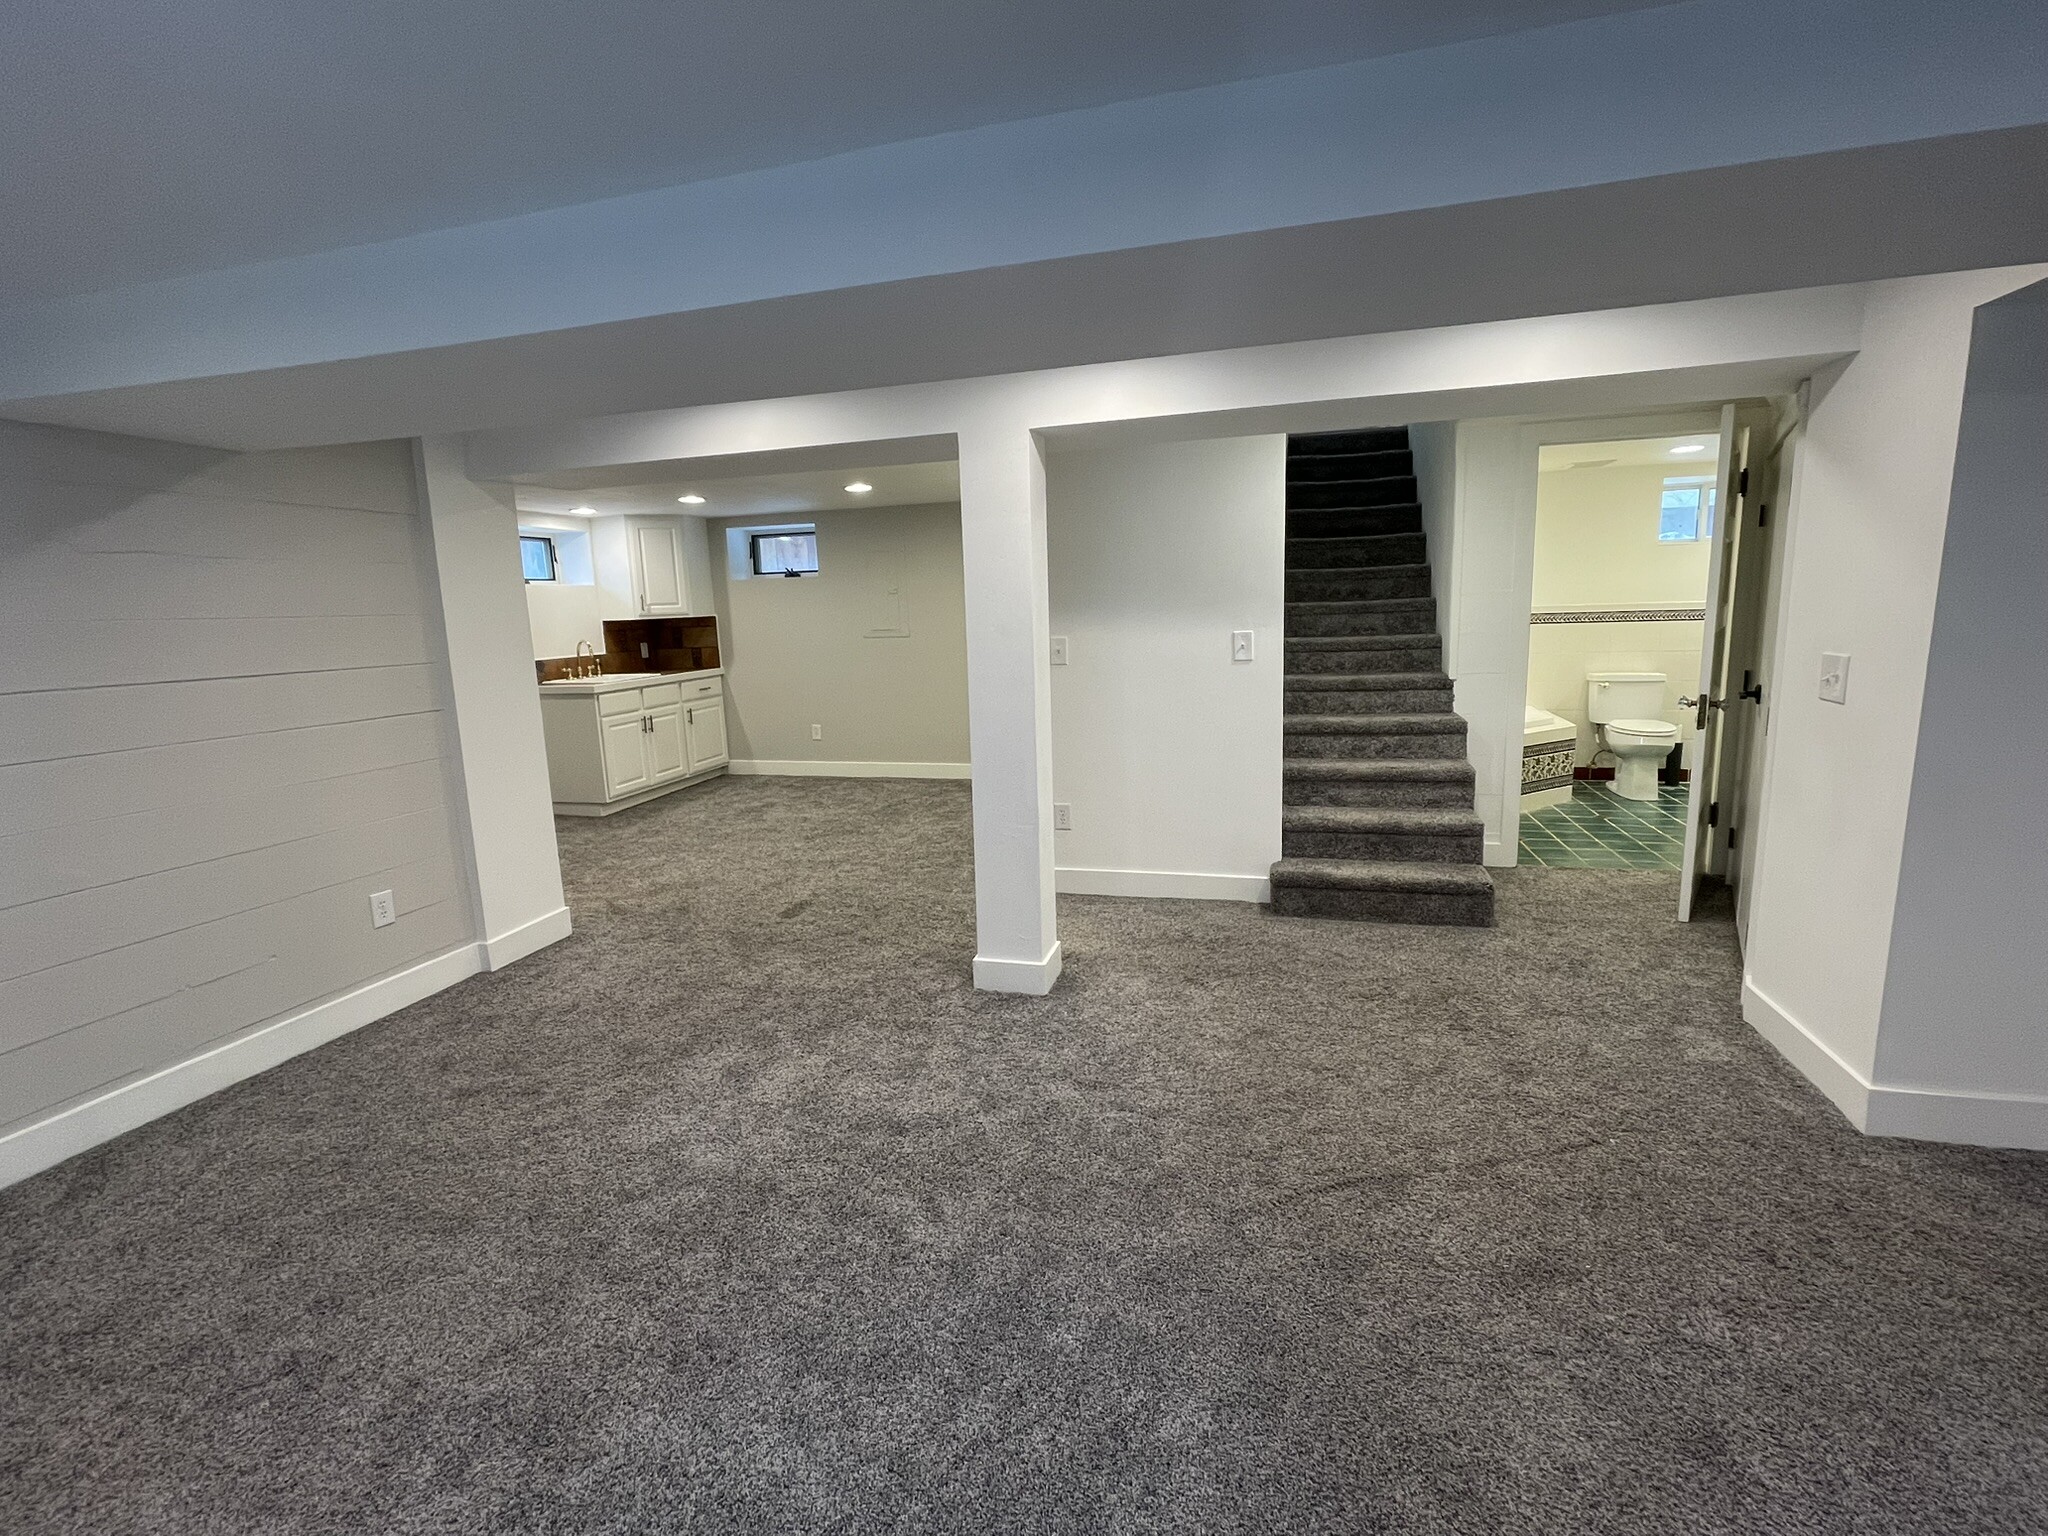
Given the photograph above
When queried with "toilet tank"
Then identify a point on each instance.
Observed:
(1624, 696)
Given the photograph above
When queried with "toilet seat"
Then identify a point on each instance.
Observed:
(1662, 730)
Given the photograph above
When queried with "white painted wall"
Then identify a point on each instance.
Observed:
(1965, 1005)
(506, 800)
(1167, 750)
(1867, 518)
(1597, 549)
(222, 726)
(564, 611)
(1597, 544)
(873, 649)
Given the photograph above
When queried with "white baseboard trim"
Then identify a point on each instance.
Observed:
(1499, 854)
(47, 1142)
(1883, 1109)
(1161, 882)
(793, 767)
(1847, 1089)
(522, 941)
(1034, 978)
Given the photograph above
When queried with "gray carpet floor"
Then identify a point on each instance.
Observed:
(740, 1211)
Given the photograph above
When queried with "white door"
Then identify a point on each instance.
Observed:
(706, 724)
(658, 553)
(625, 753)
(665, 752)
(1728, 515)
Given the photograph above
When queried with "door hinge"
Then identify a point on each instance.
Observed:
(1713, 813)
(1734, 836)
(1763, 514)
(1742, 482)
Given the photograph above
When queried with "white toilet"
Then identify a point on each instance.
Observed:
(1622, 708)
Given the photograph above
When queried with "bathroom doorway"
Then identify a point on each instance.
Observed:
(1649, 624)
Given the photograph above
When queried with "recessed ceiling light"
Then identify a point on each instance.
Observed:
(691, 500)
(583, 511)
(859, 488)
(1689, 448)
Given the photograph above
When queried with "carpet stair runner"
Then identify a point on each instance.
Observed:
(1377, 821)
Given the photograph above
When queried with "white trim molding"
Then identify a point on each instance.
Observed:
(501, 950)
(1161, 882)
(806, 768)
(49, 1141)
(1884, 1109)
(1033, 978)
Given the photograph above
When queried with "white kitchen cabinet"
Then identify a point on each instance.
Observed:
(705, 723)
(650, 567)
(618, 740)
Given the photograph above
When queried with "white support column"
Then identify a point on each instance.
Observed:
(473, 531)
(1009, 708)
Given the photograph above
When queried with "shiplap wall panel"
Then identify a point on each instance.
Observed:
(272, 981)
(123, 846)
(232, 770)
(221, 728)
(61, 929)
(41, 727)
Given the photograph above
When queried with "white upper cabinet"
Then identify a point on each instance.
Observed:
(650, 567)
(658, 563)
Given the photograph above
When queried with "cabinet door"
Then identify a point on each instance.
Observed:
(706, 724)
(658, 556)
(665, 753)
(625, 753)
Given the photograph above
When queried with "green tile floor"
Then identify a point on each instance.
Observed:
(1597, 829)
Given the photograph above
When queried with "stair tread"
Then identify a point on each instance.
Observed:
(1339, 538)
(1364, 642)
(1436, 820)
(1363, 682)
(1373, 725)
(1380, 770)
(1382, 875)
(1352, 604)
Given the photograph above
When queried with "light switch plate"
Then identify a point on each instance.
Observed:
(1062, 816)
(1834, 677)
(1059, 650)
(817, 733)
(1240, 645)
(383, 910)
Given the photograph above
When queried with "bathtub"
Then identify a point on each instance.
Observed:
(1550, 750)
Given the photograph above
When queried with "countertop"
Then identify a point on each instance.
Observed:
(584, 687)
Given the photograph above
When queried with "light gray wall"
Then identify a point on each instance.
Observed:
(801, 652)
(221, 728)
(1966, 986)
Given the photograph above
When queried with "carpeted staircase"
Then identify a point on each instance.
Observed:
(1377, 821)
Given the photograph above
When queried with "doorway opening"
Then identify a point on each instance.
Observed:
(1644, 709)
(1617, 624)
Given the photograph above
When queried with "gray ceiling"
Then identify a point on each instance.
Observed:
(147, 140)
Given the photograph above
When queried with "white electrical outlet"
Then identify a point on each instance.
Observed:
(817, 733)
(383, 910)
(643, 650)
(1059, 650)
(1062, 816)
(1834, 677)
(1240, 645)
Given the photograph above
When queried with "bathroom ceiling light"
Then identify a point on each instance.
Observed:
(691, 500)
(1684, 448)
(583, 511)
(859, 488)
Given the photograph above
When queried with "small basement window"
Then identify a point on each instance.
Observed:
(1686, 514)
(786, 552)
(537, 557)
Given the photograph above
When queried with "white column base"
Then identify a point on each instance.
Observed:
(1033, 978)
(502, 949)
